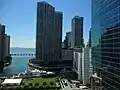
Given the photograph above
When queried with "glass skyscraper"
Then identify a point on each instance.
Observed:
(48, 34)
(106, 42)
(77, 31)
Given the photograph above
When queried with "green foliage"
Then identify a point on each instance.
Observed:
(44, 83)
(51, 83)
(36, 84)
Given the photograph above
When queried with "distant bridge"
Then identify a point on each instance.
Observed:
(23, 54)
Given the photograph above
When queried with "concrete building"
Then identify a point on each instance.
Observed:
(77, 32)
(67, 54)
(48, 34)
(86, 65)
(81, 64)
(77, 62)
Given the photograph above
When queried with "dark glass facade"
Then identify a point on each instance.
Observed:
(106, 42)
(58, 35)
(45, 27)
(89, 43)
(2, 33)
(48, 34)
(77, 31)
(67, 41)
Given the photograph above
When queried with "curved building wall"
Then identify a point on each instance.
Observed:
(106, 42)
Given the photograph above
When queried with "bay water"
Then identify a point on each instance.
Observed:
(19, 63)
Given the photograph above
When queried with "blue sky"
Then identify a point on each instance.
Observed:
(19, 16)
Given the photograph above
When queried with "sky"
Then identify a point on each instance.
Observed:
(19, 16)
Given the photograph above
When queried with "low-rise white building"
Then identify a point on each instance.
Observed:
(81, 63)
(12, 81)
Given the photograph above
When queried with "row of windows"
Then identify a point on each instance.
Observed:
(112, 36)
(112, 5)
(111, 13)
(114, 41)
(109, 67)
(108, 6)
(111, 30)
(113, 25)
(111, 22)
(111, 50)
(110, 54)
(111, 45)
(107, 72)
(112, 61)
(113, 84)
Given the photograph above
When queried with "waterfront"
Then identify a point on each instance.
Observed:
(19, 64)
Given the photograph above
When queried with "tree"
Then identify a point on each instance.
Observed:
(51, 83)
(44, 83)
(57, 79)
(23, 84)
(36, 84)
(30, 84)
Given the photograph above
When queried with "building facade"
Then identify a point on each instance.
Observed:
(90, 41)
(106, 42)
(48, 34)
(67, 54)
(86, 65)
(81, 64)
(77, 62)
(67, 41)
(4, 48)
(58, 35)
(68, 34)
(2, 33)
(77, 31)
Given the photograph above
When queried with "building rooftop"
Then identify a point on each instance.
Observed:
(59, 12)
(12, 81)
(77, 17)
(44, 2)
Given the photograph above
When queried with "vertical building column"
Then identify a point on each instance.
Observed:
(2, 33)
(77, 32)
